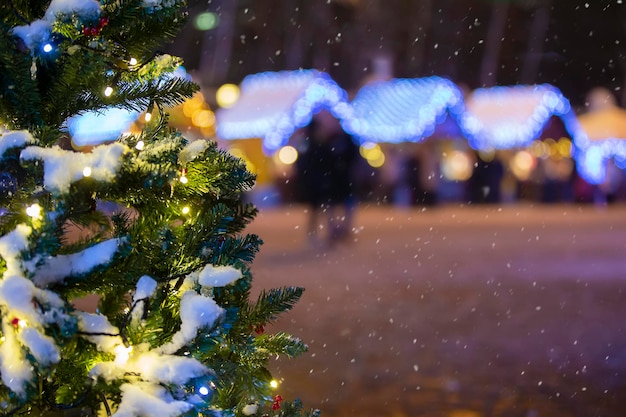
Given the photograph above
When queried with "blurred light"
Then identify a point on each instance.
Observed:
(456, 166)
(206, 21)
(140, 145)
(401, 110)
(487, 155)
(47, 48)
(564, 146)
(108, 91)
(287, 155)
(203, 118)
(522, 165)
(183, 180)
(203, 390)
(193, 104)
(371, 151)
(227, 95)
(539, 149)
(148, 117)
(186, 210)
(132, 61)
(274, 384)
(508, 117)
(273, 105)
(34, 211)
(95, 127)
(87, 172)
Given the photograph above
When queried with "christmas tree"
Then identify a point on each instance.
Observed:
(151, 223)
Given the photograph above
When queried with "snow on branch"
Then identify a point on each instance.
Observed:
(61, 167)
(56, 268)
(15, 139)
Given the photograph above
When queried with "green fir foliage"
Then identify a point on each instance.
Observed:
(172, 208)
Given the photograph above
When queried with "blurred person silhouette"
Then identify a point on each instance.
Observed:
(325, 174)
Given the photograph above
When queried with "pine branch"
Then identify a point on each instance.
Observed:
(271, 303)
(281, 344)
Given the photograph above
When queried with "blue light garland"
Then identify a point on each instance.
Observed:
(402, 110)
(273, 105)
(506, 130)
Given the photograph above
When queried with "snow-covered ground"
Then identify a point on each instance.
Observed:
(516, 310)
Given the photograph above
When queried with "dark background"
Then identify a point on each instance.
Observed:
(572, 44)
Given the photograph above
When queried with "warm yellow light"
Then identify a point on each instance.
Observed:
(366, 147)
(34, 211)
(148, 117)
(122, 353)
(22, 323)
(377, 161)
(487, 155)
(203, 118)
(287, 155)
(522, 165)
(539, 149)
(108, 91)
(87, 172)
(274, 383)
(227, 95)
(373, 153)
(132, 61)
(183, 180)
(564, 146)
(140, 145)
(186, 210)
(193, 104)
(456, 166)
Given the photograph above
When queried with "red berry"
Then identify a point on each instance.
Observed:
(15, 322)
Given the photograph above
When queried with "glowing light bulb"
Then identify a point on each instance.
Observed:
(186, 210)
(22, 323)
(47, 48)
(108, 91)
(122, 353)
(274, 383)
(132, 61)
(34, 211)
(183, 180)
(148, 117)
(203, 391)
(87, 172)
(140, 145)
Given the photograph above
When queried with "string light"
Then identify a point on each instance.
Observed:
(302, 94)
(87, 172)
(132, 61)
(47, 48)
(140, 145)
(405, 109)
(183, 180)
(108, 91)
(148, 116)
(34, 211)
(273, 384)
(203, 391)
(122, 354)
(186, 210)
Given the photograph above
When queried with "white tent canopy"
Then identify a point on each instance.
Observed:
(403, 109)
(272, 105)
(508, 117)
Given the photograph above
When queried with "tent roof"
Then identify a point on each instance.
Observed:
(272, 105)
(508, 117)
(403, 109)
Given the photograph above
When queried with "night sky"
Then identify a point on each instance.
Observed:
(581, 46)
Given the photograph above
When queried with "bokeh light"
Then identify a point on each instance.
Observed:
(227, 95)
(287, 155)
(206, 21)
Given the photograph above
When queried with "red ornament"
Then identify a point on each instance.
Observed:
(277, 400)
(15, 322)
(259, 329)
